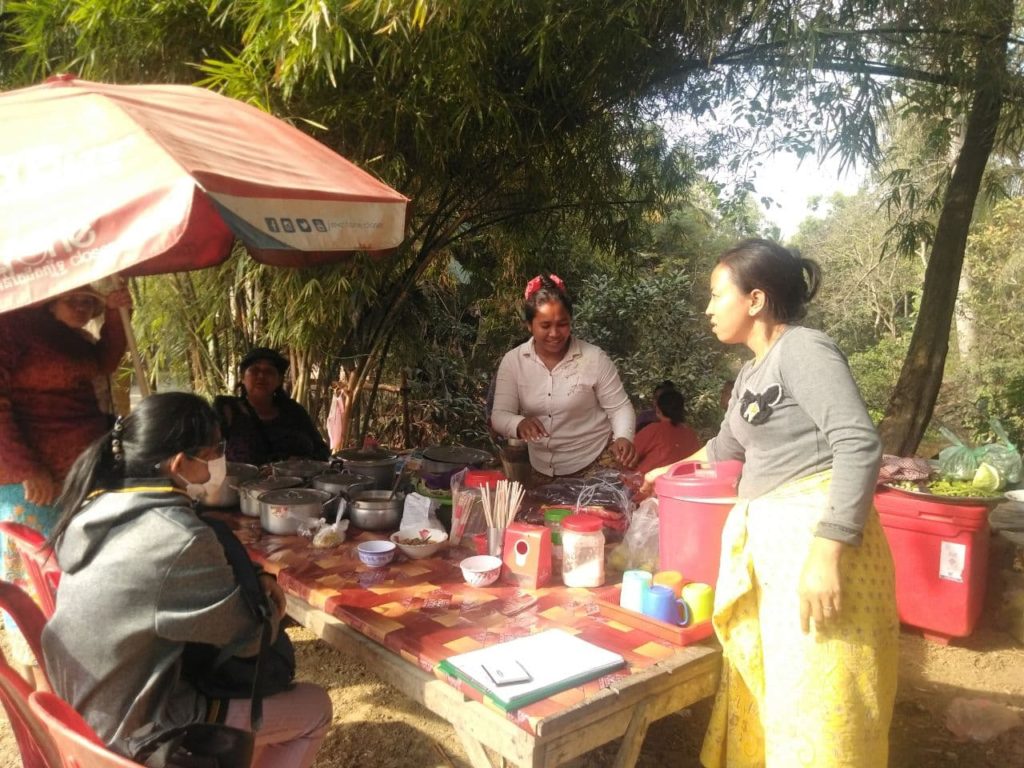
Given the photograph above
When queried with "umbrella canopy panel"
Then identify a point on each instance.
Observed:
(99, 179)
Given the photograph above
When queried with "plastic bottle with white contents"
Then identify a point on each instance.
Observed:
(582, 551)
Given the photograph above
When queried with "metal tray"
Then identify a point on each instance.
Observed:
(989, 501)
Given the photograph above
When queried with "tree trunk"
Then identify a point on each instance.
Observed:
(910, 407)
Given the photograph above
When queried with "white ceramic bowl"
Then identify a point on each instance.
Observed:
(1017, 495)
(481, 570)
(376, 554)
(435, 540)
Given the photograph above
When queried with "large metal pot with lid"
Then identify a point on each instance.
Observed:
(342, 485)
(282, 511)
(249, 492)
(304, 468)
(376, 510)
(372, 462)
(227, 494)
(440, 462)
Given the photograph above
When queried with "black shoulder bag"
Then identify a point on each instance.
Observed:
(218, 674)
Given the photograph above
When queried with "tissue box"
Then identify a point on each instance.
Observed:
(526, 555)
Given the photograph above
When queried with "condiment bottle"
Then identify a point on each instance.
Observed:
(553, 517)
(582, 551)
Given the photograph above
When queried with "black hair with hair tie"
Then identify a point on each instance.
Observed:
(115, 441)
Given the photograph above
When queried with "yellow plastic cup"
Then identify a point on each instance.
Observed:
(701, 600)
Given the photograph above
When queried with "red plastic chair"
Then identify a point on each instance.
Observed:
(78, 744)
(39, 561)
(34, 743)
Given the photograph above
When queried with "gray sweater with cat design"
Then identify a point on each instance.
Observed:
(797, 412)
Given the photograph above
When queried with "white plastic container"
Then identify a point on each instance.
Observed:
(582, 551)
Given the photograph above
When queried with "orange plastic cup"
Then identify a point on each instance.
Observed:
(672, 579)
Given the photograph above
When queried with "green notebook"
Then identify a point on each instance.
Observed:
(524, 670)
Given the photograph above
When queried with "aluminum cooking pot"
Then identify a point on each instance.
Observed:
(227, 494)
(372, 462)
(283, 510)
(343, 485)
(249, 492)
(376, 510)
(304, 468)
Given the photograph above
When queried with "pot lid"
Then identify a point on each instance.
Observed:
(238, 469)
(301, 466)
(341, 478)
(367, 455)
(291, 496)
(271, 483)
(456, 454)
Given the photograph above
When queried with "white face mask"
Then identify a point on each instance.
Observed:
(218, 469)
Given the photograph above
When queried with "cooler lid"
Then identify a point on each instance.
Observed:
(700, 480)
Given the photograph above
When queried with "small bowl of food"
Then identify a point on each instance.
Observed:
(1017, 495)
(481, 570)
(376, 554)
(418, 543)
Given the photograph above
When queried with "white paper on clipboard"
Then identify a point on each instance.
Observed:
(952, 561)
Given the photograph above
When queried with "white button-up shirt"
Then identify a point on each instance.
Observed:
(581, 403)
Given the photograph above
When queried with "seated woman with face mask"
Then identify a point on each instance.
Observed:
(139, 563)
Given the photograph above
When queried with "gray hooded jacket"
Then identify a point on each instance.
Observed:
(142, 576)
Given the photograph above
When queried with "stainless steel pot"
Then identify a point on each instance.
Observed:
(451, 458)
(282, 511)
(249, 492)
(376, 510)
(307, 469)
(374, 463)
(342, 485)
(227, 494)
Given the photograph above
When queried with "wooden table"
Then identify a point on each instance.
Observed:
(402, 620)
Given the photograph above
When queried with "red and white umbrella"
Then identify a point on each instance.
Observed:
(98, 180)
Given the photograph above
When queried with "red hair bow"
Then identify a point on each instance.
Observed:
(535, 285)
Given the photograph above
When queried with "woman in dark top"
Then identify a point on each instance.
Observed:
(263, 424)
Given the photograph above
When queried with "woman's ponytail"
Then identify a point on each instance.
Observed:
(96, 467)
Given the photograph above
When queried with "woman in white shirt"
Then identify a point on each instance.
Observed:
(560, 394)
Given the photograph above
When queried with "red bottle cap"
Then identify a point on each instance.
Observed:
(478, 478)
(582, 523)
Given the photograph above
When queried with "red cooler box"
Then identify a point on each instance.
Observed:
(694, 499)
(940, 549)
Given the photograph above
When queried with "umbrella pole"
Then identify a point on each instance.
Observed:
(129, 334)
(140, 368)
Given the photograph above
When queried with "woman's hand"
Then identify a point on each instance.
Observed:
(41, 488)
(118, 298)
(530, 429)
(820, 593)
(624, 452)
(274, 594)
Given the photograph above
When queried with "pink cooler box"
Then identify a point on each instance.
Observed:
(694, 499)
(940, 549)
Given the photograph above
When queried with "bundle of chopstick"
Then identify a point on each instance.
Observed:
(500, 507)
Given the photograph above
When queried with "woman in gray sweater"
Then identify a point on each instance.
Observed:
(805, 602)
(143, 575)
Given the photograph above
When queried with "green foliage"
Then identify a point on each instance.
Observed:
(654, 329)
(876, 369)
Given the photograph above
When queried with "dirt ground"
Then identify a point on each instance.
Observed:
(377, 727)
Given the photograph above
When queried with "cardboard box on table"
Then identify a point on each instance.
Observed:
(526, 555)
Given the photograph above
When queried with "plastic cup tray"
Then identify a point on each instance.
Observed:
(607, 600)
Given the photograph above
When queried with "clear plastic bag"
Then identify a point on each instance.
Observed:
(639, 547)
(958, 461)
(1002, 455)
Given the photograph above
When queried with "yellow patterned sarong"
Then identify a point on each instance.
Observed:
(787, 699)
